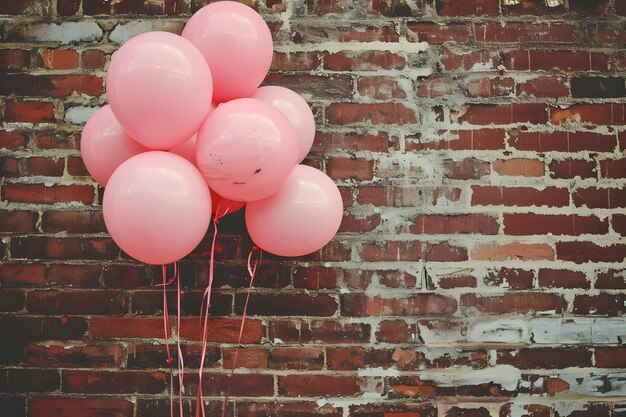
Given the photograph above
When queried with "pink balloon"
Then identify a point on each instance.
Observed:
(159, 87)
(297, 111)
(246, 149)
(237, 44)
(156, 207)
(223, 206)
(104, 145)
(300, 218)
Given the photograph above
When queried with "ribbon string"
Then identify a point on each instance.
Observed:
(166, 330)
(252, 271)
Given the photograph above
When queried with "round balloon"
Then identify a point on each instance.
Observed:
(237, 44)
(104, 145)
(159, 87)
(156, 207)
(297, 111)
(187, 150)
(300, 218)
(246, 149)
(223, 206)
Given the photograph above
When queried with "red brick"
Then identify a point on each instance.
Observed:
(484, 114)
(50, 85)
(600, 114)
(305, 358)
(74, 275)
(544, 86)
(120, 382)
(393, 196)
(44, 247)
(319, 331)
(382, 113)
(583, 252)
(73, 221)
(13, 406)
(467, 168)
(27, 7)
(295, 61)
(572, 168)
(42, 194)
(250, 358)
(84, 356)
(363, 61)
(556, 224)
(600, 197)
(516, 279)
(337, 32)
(68, 7)
(22, 167)
(335, 86)
(11, 300)
(12, 139)
(525, 33)
(598, 87)
(475, 60)
(441, 224)
(412, 251)
(381, 88)
(610, 357)
(519, 167)
(77, 302)
(513, 303)
(166, 7)
(420, 304)
(388, 409)
(282, 304)
(17, 221)
(358, 224)
(546, 358)
(562, 278)
(494, 251)
(433, 87)
(481, 139)
(519, 196)
(46, 328)
(57, 59)
(394, 331)
(602, 304)
(613, 168)
(327, 141)
(22, 274)
(562, 60)
(29, 111)
(93, 59)
(433, 34)
(350, 168)
(318, 385)
(30, 380)
(323, 277)
(562, 141)
(491, 87)
(284, 409)
(611, 279)
(463, 8)
(85, 407)
(15, 59)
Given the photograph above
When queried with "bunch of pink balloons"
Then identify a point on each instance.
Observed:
(188, 133)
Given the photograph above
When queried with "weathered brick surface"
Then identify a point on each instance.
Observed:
(479, 269)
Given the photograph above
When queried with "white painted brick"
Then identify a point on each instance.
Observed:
(124, 31)
(66, 32)
(498, 331)
(579, 330)
(596, 384)
(448, 332)
(80, 114)
(506, 376)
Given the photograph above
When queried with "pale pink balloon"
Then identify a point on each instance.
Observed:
(156, 207)
(223, 206)
(300, 218)
(237, 44)
(159, 87)
(104, 145)
(246, 149)
(297, 111)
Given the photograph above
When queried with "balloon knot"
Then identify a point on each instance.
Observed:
(169, 360)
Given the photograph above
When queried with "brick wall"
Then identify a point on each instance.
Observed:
(479, 270)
